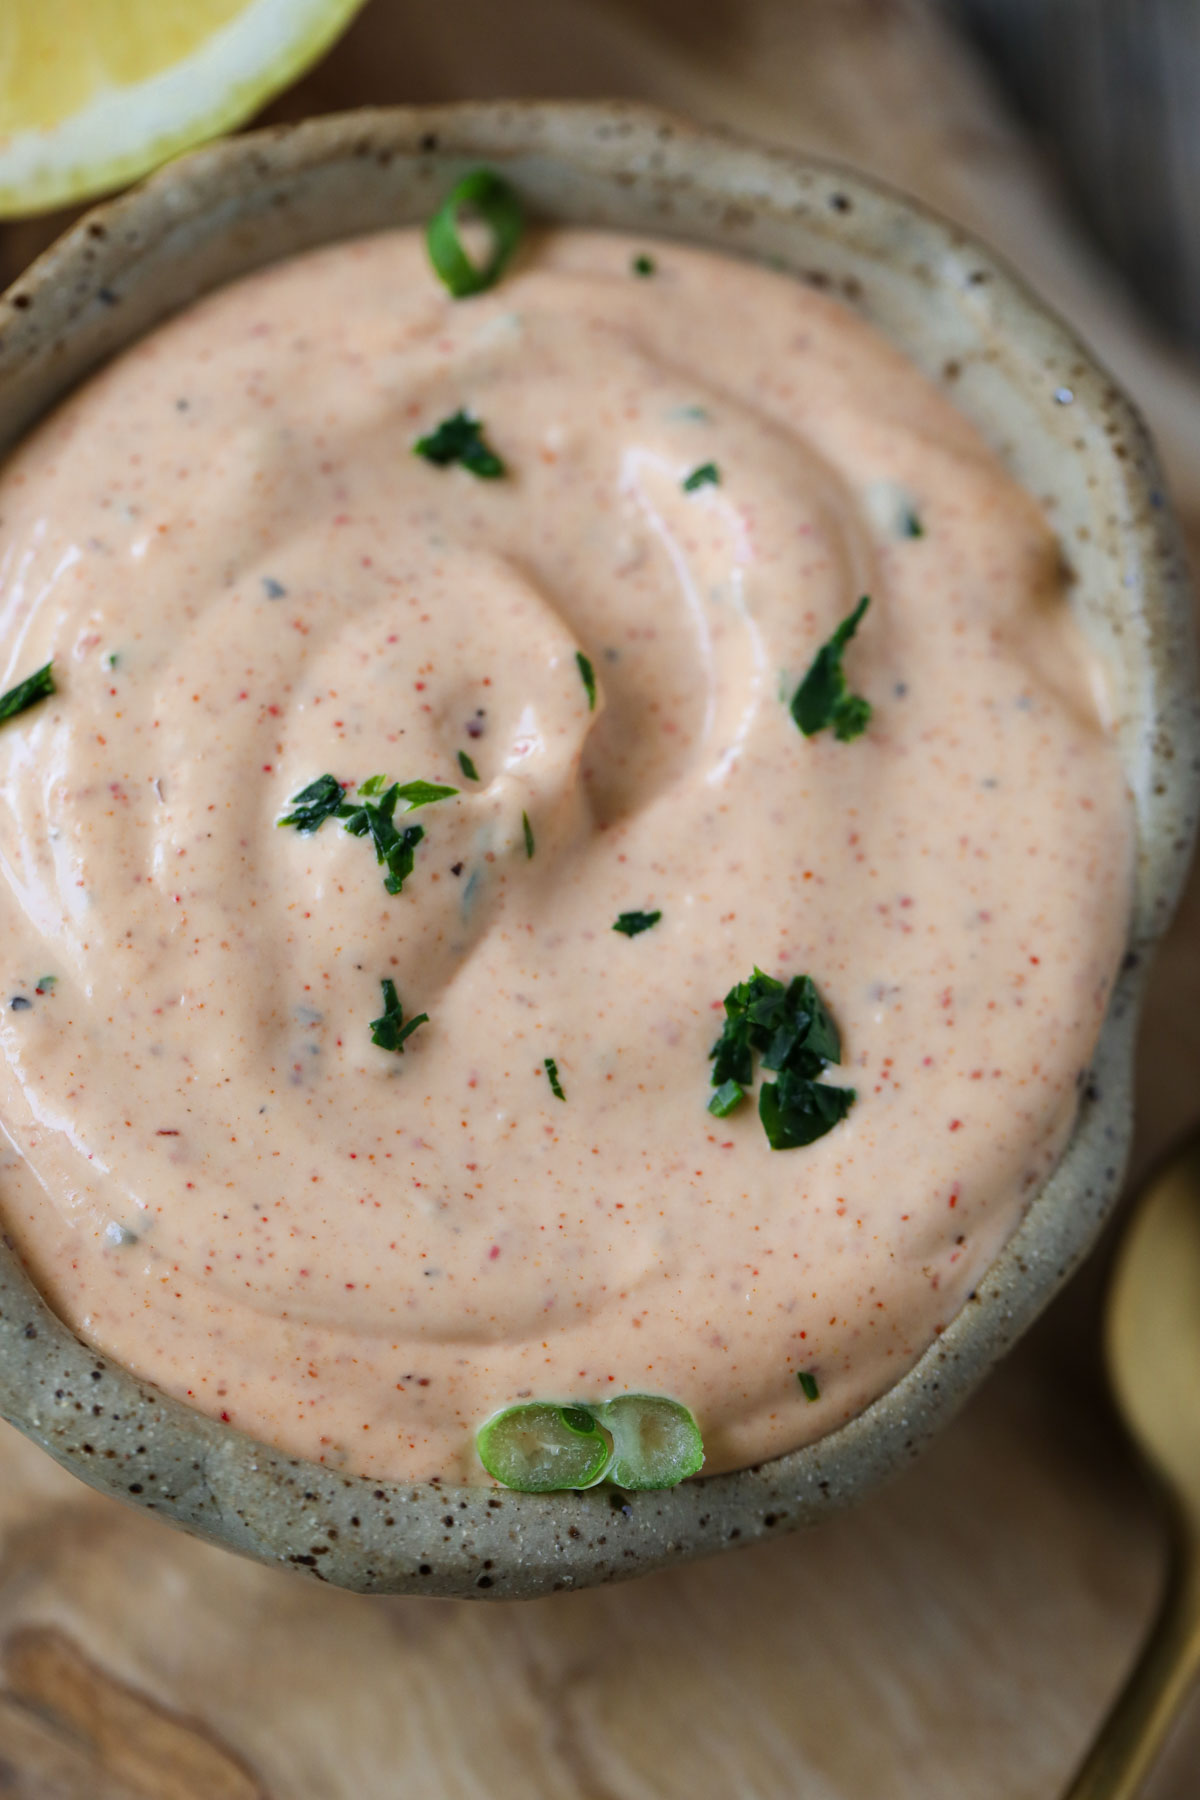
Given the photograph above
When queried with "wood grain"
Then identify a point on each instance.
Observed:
(123, 1735)
(958, 1635)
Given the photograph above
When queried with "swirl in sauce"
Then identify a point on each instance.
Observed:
(212, 1172)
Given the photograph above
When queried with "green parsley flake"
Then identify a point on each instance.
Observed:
(707, 475)
(325, 798)
(793, 1033)
(555, 1083)
(394, 847)
(491, 200)
(528, 830)
(727, 1099)
(643, 265)
(27, 693)
(467, 766)
(911, 526)
(588, 676)
(314, 804)
(630, 924)
(808, 1384)
(389, 1030)
(421, 793)
(823, 698)
(459, 439)
(796, 1111)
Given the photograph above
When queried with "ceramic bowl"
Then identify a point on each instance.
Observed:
(1057, 421)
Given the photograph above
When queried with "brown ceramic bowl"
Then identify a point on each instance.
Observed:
(1064, 430)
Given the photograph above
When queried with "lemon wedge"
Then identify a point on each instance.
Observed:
(93, 93)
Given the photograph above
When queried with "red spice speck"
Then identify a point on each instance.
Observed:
(955, 1124)
(493, 1253)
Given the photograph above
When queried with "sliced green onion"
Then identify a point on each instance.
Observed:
(489, 197)
(542, 1448)
(656, 1442)
(808, 1385)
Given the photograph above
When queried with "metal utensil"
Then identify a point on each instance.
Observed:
(1153, 1353)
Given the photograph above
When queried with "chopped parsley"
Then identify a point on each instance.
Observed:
(707, 475)
(490, 198)
(413, 793)
(793, 1033)
(796, 1110)
(643, 265)
(325, 798)
(459, 439)
(528, 830)
(393, 848)
(555, 1083)
(588, 676)
(467, 766)
(314, 804)
(727, 1099)
(808, 1385)
(823, 698)
(631, 923)
(35, 687)
(390, 1030)
(911, 525)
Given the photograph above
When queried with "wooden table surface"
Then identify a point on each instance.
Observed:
(955, 1638)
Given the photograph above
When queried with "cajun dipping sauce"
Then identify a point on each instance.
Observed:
(219, 1165)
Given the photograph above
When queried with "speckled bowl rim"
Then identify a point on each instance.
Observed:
(246, 201)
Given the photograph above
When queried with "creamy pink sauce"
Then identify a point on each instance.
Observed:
(246, 579)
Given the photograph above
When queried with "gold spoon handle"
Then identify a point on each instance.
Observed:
(1136, 1728)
